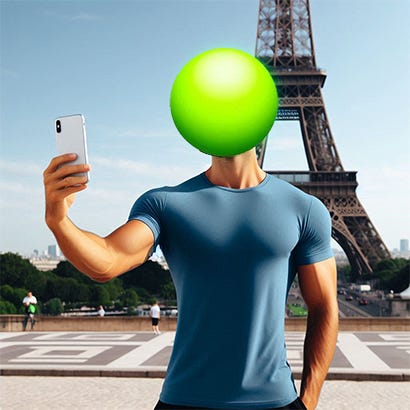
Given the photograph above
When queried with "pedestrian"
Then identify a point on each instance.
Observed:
(101, 311)
(155, 313)
(29, 303)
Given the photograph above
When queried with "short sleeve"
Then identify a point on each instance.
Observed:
(314, 243)
(148, 209)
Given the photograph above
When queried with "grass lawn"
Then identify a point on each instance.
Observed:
(297, 310)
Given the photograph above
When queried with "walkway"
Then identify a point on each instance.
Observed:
(133, 364)
(110, 393)
(359, 355)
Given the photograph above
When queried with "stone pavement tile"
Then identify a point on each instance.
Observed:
(71, 393)
(359, 355)
(350, 395)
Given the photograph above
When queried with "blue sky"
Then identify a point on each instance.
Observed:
(115, 62)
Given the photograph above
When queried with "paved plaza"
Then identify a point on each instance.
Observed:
(367, 372)
(359, 355)
(109, 393)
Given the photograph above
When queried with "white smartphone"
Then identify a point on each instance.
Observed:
(71, 139)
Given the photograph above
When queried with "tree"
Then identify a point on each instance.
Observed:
(70, 286)
(100, 296)
(7, 308)
(14, 269)
(400, 281)
(150, 276)
(54, 307)
(14, 296)
(385, 265)
(392, 274)
(7, 293)
(114, 288)
(168, 291)
(143, 295)
(66, 270)
(36, 282)
(344, 273)
(129, 298)
(72, 291)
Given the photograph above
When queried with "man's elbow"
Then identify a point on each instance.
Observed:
(113, 272)
(101, 277)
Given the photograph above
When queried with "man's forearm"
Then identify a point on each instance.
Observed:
(320, 343)
(85, 250)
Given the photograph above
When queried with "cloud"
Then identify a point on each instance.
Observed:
(386, 178)
(138, 132)
(21, 168)
(146, 169)
(284, 143)
(12, 187)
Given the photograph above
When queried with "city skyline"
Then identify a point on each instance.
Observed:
(116, 65)
(45, 252)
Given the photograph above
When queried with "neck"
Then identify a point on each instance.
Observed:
(238, 172)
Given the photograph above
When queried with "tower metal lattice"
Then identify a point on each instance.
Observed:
(285, 45)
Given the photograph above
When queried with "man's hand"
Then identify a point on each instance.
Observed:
(100, 258)
(61, 186)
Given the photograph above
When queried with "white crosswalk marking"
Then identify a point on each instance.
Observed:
(141, 354)
(367, 353)
(359, 355)
(67, 354)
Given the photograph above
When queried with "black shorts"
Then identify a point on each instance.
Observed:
(295, 405)
(154, 321)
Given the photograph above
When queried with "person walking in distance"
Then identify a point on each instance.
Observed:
(29, 303)
(101, 311)
(155, 313)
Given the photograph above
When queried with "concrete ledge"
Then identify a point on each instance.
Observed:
(13, 323)
(160, 374)
(153, 374)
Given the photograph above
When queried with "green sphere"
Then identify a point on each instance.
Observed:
(224, 102)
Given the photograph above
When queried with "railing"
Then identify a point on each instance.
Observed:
(13, 323)
(316, 177)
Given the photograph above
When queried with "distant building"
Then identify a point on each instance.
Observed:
(404, 251)
(44, 264)
(52, 251)
(48, 259)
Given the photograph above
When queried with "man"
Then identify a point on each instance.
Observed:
(101, 311)
(155, 313)
(29, 303)
(232, 236)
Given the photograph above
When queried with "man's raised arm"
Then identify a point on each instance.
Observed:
(100, 258)
(318, 285)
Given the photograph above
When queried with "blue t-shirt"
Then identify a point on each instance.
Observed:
(232, 254)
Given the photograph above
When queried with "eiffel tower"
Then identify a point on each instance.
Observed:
(285, 45)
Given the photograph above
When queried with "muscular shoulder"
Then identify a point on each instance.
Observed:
(155, 200)
(292, 196)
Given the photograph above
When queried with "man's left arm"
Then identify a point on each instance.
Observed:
(318, 284)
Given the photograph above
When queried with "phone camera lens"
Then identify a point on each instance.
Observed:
(58, 126)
